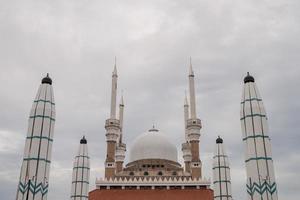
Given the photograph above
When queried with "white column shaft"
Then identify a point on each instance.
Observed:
(81, 174)
(261, 183)
(221, 174)
(34, 176)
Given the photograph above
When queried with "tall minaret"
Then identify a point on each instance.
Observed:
(261, 183)
(34, 177)
(186, 147)
(193, 129)
(112, 126)
(81, 173)
(221, 173)
(121, 147)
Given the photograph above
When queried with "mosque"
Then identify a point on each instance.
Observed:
(153, 170)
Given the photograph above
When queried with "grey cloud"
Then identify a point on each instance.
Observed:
(76, 41)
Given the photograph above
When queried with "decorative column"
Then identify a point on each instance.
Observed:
(261, 183)
(81, 173)
(34, 176)
(221, 173)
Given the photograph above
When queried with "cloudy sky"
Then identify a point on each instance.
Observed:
(76, 42)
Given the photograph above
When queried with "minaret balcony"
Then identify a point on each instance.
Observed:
(193, 123)
(112, 136)
(112, 123)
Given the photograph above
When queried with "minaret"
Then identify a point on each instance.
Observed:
(261, 183)
(186, 147)
(112, 126)
(193, 129)
(114, 93)
(34, 176)
(121, 147)
(186, 116)
(81, 173)
(221, 173)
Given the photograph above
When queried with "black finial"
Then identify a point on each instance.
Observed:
(83, 140)
(47, 80)
(248, 78)
(153, 129)
(219, 140)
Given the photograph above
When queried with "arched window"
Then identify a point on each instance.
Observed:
(131, 173)
(159, 173)
(146, 173)
(174, 173)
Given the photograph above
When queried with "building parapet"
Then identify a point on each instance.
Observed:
(152, 182)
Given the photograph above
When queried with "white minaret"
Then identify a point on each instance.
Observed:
(221, 173)
(261, 183)
(121, 147)
(81, 173)
(186, 147)
(121, 116)
(193, 127)
(186, 116)
(192, 92)
(113, 105)
(112, 126)
(34, 176)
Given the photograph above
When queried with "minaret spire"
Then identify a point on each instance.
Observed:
(114, 93)
(192, 92)
(186, 115)
(121, 115)
(261, 184)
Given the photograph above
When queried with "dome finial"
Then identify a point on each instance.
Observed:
(153, 129)
(83, 140)
(219, 140)
(47, 80)
(248, 78)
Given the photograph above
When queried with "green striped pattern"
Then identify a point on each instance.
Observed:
(45, 101)
(81, 182)
(223, 196)
(255, 136)
(33, 188)
(42, 116)
(37, 159)
(221, 167)
(81, 156)
(40, 137)
(222, 181)
(261, 188)
(79, 196)
(81, 167)
(219, 156)
(251, 99)
(253, 115)
(258, 158)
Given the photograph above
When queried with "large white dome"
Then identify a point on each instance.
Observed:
(152, 145)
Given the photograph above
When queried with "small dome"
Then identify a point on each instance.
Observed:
(47, 80)
(248, 78)
(152, 145)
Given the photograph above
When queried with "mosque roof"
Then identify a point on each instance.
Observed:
(152, 145)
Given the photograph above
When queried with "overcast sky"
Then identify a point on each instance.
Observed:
(76, 42)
